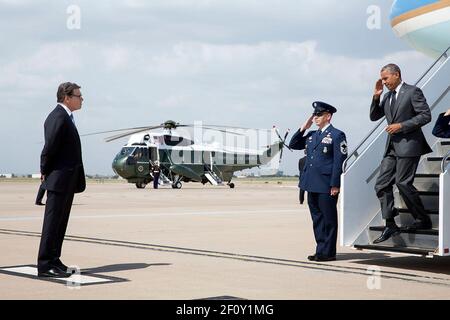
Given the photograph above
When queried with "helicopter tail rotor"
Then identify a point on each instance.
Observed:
(282, 142)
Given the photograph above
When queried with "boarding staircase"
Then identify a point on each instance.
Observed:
(212, 177)
(360, 215)
(163, 179)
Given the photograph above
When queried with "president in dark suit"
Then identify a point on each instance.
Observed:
(62, 175)
(442, 126)
(406, 111)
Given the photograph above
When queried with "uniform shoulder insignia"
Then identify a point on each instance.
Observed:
(344, 147)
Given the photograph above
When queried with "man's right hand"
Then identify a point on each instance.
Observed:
(447, 113)
(42, 178)
(307, 124)
(378, 88)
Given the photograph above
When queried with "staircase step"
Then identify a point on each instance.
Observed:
(442, 147)
(439, 159)
(430, 200)
(430, 212)
(433, 164)
(433, 232)
(427, 175)
(422, 239)
(409, 250)
(427, 182)
(405, 218)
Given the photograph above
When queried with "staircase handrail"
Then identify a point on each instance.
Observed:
(444, 160)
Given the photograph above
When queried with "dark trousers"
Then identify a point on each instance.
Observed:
(57, 211)
(40, 194)
(399, 171)
(323, 208)
(155, 179)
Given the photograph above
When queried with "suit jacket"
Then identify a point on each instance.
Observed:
(442, 127)
(413, 112)
(301, 166)
(61, 161)
(325, 154)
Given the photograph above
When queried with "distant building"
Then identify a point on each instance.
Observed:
(6, 175)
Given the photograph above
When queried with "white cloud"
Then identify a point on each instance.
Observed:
(248, 63)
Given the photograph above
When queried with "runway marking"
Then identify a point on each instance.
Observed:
(411, 277)
(76, 280)
(157, 214)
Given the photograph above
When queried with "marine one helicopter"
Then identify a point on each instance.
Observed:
(181, 159)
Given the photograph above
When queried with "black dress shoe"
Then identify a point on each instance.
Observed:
(59, 265)
(420, 224)
(312, 257)
(40, 204)
(54, 273)
(387, 233)
(325, 258)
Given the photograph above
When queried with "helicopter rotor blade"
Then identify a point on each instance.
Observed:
(122, 135)
(214, 129)
(109, 131)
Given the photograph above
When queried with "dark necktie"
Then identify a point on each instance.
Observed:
(71, 117)
(393, 99)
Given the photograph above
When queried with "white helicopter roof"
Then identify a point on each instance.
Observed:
(158, 138)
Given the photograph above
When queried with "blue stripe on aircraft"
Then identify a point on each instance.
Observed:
(400, 7)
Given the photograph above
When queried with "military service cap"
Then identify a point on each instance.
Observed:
(320, 107)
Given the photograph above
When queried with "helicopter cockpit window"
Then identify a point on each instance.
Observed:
(177, 141)
(125, 151)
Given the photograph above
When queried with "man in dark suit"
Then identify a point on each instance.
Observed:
(442, 126)
(406, 111)
(326, 150)
(62, 175)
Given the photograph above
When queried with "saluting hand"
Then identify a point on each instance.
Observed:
(307, 124)
(393, 128)
(378, 88)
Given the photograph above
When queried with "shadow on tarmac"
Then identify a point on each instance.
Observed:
(122, 267)
(438, 265)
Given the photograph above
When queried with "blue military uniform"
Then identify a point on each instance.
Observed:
(325, 154)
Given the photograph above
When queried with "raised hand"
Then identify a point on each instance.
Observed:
(447, 113)
(378, 88)
(308, 123)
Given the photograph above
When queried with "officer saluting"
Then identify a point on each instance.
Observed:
(326, 150)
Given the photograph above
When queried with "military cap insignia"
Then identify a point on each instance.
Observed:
(344, 147)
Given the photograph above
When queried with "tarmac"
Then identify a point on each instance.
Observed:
(198, 242)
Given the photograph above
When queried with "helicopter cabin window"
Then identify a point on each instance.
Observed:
(153, 153)
(145, 153)
(177, 141)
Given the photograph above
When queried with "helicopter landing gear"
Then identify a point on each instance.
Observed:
(140, 185)
(231, 185)
(177, 185)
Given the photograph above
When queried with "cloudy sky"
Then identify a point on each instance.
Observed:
(249, 63)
